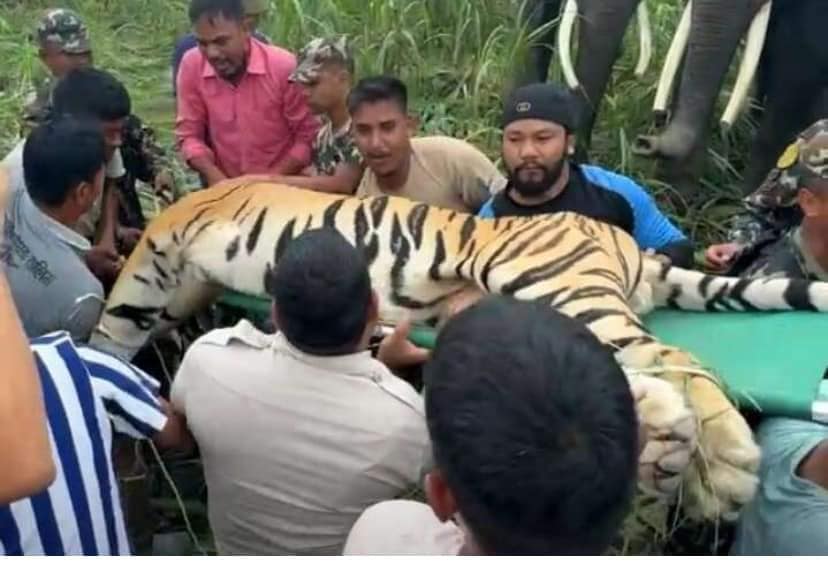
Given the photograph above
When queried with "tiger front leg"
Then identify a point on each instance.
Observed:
(722, 477)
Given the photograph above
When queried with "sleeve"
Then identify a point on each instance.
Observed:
(191, 118)
(301, 121)
(769, 211)
(487, 210)
(652, 229)
(84, 314)
(478, 178)
(129, 395)
(115, 166)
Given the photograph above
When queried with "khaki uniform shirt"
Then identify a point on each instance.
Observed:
(403, 527)
(445, 172)
(296, 446)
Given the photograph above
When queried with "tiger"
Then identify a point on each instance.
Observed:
(420, 257)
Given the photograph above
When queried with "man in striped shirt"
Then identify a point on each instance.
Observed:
(87, 394)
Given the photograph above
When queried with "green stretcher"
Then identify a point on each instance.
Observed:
(773, 363)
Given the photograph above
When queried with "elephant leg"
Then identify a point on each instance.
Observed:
(536, 66)
(794, 81)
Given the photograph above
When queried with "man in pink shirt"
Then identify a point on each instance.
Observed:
(237, 111)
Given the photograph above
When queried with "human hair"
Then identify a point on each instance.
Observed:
(92, 92)
(375, 89)
(59, 155)
(232, 10)
(322, 292)
(533, 427)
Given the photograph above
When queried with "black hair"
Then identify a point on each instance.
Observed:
(534, 428)
(375, 89)
(230, 9)
(322, 293)
(92, 92)
(60, 154)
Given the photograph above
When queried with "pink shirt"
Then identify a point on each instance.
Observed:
(249, 128)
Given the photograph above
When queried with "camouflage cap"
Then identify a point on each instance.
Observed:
(807, 157)
(318, 52)
(64, 28)
(254, 7)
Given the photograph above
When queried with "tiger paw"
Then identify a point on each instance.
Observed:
(723, 476)
(671, 433)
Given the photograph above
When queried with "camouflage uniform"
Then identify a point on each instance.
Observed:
(65, 29)
(144, 158)
(330, 148)
(771, 209)
(804, 160)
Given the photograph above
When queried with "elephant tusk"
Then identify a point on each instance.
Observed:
(671, 62)
(750, 61)
(645, 36)
(570, 13)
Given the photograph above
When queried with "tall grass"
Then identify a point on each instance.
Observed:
(456, 56)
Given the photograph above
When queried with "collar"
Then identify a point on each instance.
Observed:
(359, 363)
(61, 231)
(256, 62)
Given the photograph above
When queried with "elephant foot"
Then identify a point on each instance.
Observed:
(674, 144)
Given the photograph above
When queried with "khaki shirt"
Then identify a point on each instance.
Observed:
(403, 527)
(296, 446)
(445, 172)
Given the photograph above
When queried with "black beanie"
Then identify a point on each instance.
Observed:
(549, 102)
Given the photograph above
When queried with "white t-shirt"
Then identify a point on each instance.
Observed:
(403, 527)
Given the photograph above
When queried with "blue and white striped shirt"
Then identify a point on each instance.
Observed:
(86, 394)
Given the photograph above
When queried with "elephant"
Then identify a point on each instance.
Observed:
(602, 25)
(785, 43)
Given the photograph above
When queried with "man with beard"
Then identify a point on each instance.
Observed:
(538, 142)
(238, 112)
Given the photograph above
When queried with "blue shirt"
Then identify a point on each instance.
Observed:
(609, 197)
(188, 42)
(86, 393)
(789, 514)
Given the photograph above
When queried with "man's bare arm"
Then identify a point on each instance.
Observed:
(26, 466)
(344, 180)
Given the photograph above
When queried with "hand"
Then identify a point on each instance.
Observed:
(719, 257)
(129, 237)
(164, 186)
(104, 262)
(397, 352)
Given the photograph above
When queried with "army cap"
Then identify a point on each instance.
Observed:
(254, 7)
(807, 157)
(317, 53)
(64, 28)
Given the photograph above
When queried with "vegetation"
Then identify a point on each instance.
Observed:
(457, 58)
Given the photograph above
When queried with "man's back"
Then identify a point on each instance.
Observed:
(295, 446)
(51, 285)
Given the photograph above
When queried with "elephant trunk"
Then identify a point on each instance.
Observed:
(716, 26)
(601, 34)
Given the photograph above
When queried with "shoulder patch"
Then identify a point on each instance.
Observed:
(789, 157)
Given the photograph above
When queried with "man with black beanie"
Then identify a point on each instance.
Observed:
(539, 121)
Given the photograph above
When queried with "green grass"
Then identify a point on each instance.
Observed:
(456, 57)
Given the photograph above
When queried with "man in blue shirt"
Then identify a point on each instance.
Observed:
(538, 141)
(254, 10)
